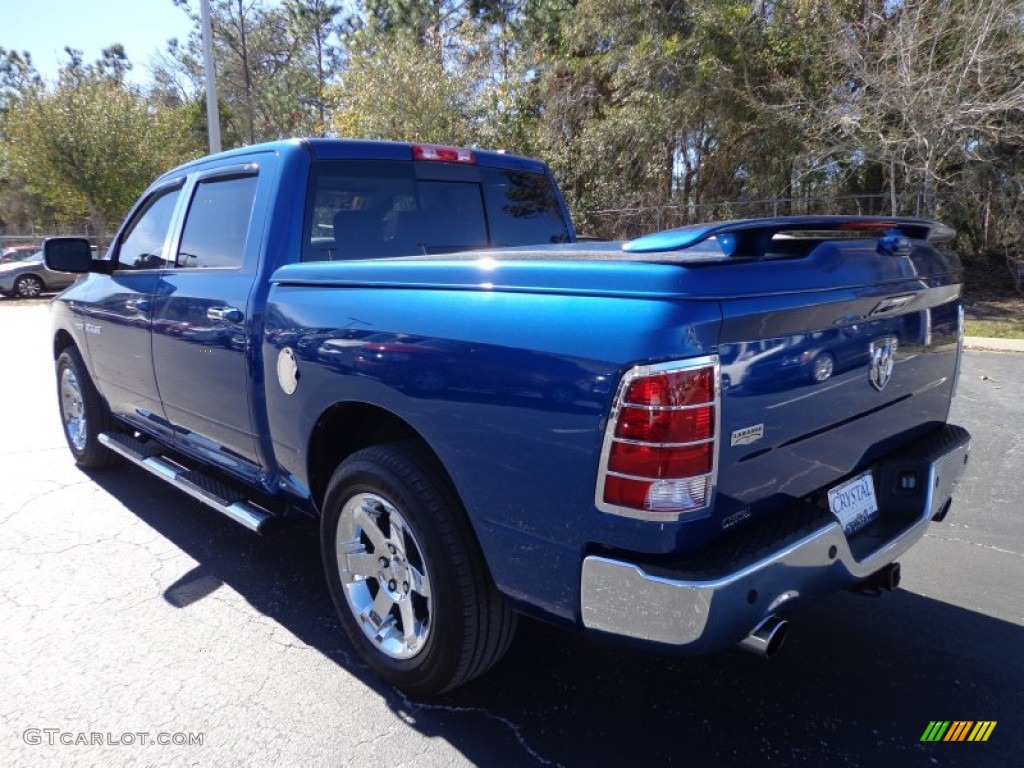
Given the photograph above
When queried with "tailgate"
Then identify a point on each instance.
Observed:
(806, 402)
(839, 343)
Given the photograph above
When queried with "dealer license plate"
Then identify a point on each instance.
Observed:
(854, 503)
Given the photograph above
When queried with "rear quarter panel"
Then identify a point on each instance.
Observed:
(511, 390)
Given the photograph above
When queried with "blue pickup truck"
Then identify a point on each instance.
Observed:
(490, 419)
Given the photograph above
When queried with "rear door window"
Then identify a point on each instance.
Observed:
(217, 223)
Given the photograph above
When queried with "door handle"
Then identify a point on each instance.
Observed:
(225, 314)
(140, 305)
(892, 304)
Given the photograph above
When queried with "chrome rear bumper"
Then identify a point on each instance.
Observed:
(696, 613)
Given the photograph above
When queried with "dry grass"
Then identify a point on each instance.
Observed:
(995, 329)
(994, 308)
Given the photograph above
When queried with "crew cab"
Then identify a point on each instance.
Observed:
(490, 419)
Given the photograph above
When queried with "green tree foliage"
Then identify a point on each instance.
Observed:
(274, 62)
(400, 90)
(675, 110)
(934, 96)
(439, 70)
(90, 143)
(19, 207)
(842, 106)
(657, 102)
(17, 76)
(314, 25)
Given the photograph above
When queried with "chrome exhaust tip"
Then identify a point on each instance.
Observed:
(767, 637)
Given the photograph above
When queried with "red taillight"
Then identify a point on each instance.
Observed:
(861, 226)
(659, 460)
(661, 499)
(666, 426)
(673, 389)
(626, 492)
(442, 154)
(660, 448)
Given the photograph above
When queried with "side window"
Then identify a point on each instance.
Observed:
(142, 246)
(217, 223)
(352, 209)
(522, 209)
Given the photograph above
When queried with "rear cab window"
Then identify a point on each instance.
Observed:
(359, 209)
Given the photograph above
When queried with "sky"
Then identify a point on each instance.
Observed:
(45, 27)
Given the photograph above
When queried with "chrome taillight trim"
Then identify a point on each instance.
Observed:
(641, 371)
(655, 444)
(961, 321)
(639, 407)
(706, 476)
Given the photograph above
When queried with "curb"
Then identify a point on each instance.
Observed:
(993, 345)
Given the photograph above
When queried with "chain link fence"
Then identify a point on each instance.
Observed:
(988, 228)
(1015, 263)
(627, 223)
(24, 245)
(18, 241)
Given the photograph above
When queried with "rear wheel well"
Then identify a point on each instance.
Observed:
(345, 428)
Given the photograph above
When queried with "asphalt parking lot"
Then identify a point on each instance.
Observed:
(129, 611)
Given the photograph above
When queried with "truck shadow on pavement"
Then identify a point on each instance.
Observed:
(858, 682)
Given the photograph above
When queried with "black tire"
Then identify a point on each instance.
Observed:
(28, 287)
(466, 626)
(83, 416)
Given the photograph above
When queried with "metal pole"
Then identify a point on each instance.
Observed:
(212, 113)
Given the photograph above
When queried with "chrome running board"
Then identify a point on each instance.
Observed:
(208, 490)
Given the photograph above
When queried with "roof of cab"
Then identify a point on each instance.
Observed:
(354, 149)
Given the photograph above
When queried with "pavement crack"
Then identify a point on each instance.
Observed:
(373, 739)
(514, 729)
(38, 496)
(991, 547)
(21, 452)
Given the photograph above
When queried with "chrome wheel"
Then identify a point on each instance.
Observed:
(72, 410)
(409, 584)
(383, 575)
(823, 367)
(29, 287)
